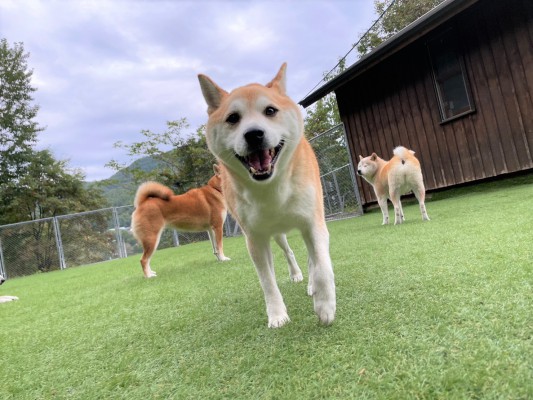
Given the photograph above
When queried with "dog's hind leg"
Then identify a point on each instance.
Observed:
(261, 253)
(398, 212)
(420, 194)
(321, 279)
(295, 273)
(149, 241)
(215, 236)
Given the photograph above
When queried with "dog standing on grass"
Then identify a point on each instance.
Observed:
(5, 299)
(198, 210)
(271, 183)
(393, 178)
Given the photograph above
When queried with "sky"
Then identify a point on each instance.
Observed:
(106, 69)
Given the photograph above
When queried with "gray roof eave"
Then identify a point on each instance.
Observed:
(413, 31)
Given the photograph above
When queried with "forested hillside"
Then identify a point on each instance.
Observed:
(119, 189)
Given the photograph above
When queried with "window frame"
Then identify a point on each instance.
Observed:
(441, 100)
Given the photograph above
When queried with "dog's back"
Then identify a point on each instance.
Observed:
(191, 211)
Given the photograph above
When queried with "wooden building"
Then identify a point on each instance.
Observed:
(456, 86)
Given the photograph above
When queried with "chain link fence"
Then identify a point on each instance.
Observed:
(71, 240)
(341, 194)
(65, 241)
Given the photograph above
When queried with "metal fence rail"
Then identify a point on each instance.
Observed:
(84, 238)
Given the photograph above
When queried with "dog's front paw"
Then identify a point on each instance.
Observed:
(325, 310)
(224, 258)
(277, 321)
(297, 277)
(150, 274)
(325, 303)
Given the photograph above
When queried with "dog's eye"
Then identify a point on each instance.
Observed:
(270, 111)
(233, 118)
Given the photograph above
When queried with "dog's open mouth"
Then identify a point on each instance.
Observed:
(260, 163)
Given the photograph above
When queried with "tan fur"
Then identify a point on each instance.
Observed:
(201, 209)
(277, 192)
(390, 179)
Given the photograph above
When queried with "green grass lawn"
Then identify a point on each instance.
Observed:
(435, 310)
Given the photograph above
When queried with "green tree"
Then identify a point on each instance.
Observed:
(46, 189)
(397, 14)
(181, 160)
(324, 114)
(18, 130)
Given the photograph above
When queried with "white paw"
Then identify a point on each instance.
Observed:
(277, 321)
(151, 274)
(297, 277)
(224, 258)
(325, 310)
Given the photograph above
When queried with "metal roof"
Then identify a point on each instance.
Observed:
(410, 33)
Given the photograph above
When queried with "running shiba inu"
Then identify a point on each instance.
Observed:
(271, 183)
(5, 299)
(393, 178)
(156, 206)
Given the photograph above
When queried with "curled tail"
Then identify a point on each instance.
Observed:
(403, 152)
(151, 189)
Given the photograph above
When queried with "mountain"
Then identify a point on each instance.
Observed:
(119, 189)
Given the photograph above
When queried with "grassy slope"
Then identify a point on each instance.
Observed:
(425, 310)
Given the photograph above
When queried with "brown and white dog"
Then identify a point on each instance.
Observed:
(390, 179)
(271, 183)
(5, 299)
(198, 210)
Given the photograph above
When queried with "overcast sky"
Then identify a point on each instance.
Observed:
(106, 69)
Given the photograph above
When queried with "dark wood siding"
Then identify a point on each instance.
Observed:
(394, 103)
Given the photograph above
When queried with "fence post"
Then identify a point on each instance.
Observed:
(118, 235)
(2, 266)
(59, 244)
(175, 238)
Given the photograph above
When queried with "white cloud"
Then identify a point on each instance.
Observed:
(105, 69)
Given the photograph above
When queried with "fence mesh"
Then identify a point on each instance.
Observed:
(341, 195)
(66, 241)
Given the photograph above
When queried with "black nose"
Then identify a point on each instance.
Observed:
(254, 138)
(2, 280)
(359, 172)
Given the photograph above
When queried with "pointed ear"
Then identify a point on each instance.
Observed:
(360, 157)
(279, 81)
(213, 94)
(374, 156)
(216, 169)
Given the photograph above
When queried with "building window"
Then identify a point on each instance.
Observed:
(449, 75)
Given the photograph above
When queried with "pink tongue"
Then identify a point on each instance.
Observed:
(260, 160)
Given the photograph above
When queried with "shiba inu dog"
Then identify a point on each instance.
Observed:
(201, 209)
(393, 178)
(271, 183)
(5, 299)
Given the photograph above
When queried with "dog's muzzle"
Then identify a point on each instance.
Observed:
(259, 161)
